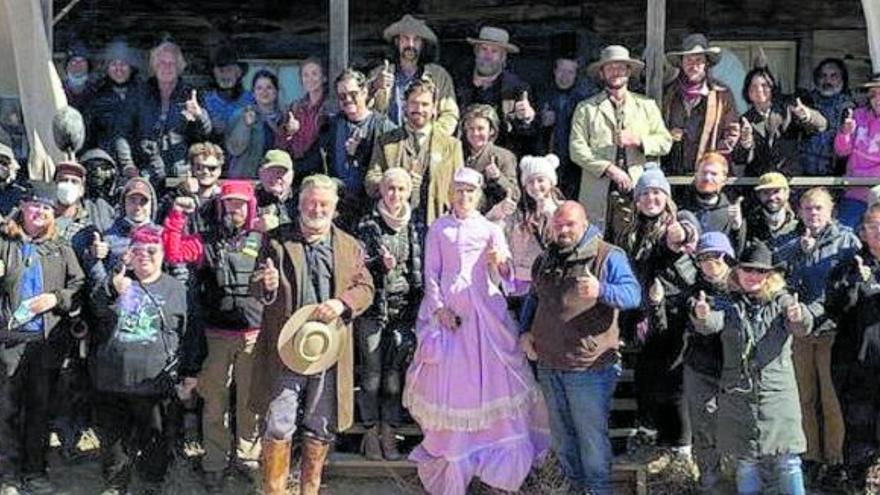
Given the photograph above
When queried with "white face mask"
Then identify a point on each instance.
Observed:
(68, 193)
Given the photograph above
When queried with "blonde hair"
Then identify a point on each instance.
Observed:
(716, 158)
(773, 284)
(205, 150)
(173, 49)
(817, 194)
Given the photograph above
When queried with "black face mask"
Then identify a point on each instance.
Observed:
(100, 179)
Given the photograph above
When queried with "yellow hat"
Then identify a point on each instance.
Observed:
(772, 180)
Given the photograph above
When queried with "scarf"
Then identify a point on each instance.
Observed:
(692, 92)
(395, 222)
(31, 284)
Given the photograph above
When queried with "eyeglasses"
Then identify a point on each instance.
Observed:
(145, 250)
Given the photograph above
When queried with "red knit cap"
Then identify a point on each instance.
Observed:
(239, 189)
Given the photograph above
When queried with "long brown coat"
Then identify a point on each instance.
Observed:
(352, 284)
(445, 155)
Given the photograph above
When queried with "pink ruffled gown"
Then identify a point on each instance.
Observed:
(471, 389)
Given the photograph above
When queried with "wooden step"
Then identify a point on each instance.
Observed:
(413, 430)
(628, 477)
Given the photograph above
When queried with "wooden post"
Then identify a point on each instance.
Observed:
(47, 7)
(655, 52)
(338, 38)
(871, 9)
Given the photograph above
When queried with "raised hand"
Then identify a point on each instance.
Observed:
(588, 285)
(388, 259)
(849, 123)
(250, 115)
(863, 271)
(701, 307)
(192, 110)
(386, 77)
(271, 276)
(99, 249)
(120, 281)
(185, 204)
(800, 110)
(735, 214)
(808, 240)
(492, 172)
(523, 109)
(292, 126)
(746, 137)
(794, 312)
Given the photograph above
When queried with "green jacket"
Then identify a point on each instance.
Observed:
(759, 413)
(592, 144)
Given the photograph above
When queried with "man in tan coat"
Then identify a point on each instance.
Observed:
(429, 155)
(311, 262)
(415, 44)
(612, 136)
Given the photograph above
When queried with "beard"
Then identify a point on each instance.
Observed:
(410, 54)
(487, 68)
(227, 83)
(829, 90)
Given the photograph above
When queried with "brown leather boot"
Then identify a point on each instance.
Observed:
(276, 466)
(389, 443)
(370, 446)
(313, 457)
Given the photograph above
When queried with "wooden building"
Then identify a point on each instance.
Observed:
(795, 33)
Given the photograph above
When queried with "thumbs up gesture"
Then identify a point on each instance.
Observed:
(863, 271)
(492, 172)
(386, 77)
(249, 115)
(701, 307)
(746, 137)
(121, 283)
(99, 249)
(523, 109)
(192, 110)
(588, 285)
(849, 123)
(800, 110)
(735, 214)
(388, 259)
(656, 292)
(794, 312)
(808, 240)
(495, 256)
(270, 276)
(292, 126)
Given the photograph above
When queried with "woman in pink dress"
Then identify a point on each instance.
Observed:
(469, 386)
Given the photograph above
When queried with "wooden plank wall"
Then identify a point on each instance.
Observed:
(272, 29)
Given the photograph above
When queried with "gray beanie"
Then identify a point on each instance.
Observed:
(652, 177)
(119, 50)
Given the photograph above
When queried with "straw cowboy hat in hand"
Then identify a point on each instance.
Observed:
(310, 347)
(614, 53)
(874, 82)
(411, 25)
(494, 36)
(695, 44)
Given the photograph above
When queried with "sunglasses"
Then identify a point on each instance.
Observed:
(145, 250)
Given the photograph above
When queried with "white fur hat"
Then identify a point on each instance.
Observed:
(539, 165)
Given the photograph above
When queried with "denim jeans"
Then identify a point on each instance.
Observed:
(580, 403)
(754, 476)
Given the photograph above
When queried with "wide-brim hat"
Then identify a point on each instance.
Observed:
(615, 53)
(695, 44)
(310, 347)
(494, 36)
(874, 82)
(757, 255)
(411, 25)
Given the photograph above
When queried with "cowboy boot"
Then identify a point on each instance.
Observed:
(370, 445)
(389, 443)
(276, 466)
(313, 456)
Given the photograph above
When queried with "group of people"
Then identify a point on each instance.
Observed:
(452, 252)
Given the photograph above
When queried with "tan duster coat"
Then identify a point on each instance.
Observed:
(592, 144)
(447, 108)
(352, 284)
(446, 157)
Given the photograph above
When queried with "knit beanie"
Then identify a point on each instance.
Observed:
(652, 177)
(539, 165)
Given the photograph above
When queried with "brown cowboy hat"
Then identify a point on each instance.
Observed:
(494, 36)
(310, 347)
(614, 53)
(411, 25)
(695, 44)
